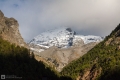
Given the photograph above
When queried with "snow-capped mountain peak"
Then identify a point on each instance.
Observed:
(62, 37)
(57, 37)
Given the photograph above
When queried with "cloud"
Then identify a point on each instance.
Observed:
(94, 17)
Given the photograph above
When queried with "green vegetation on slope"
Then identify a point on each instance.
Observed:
(101, 56)
(15, 60)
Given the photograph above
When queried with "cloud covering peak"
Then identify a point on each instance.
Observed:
(97, 17)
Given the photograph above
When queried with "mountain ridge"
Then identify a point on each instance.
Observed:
(100, 63)
(62, 37)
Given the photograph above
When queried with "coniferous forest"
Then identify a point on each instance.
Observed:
(17, 61)
(104, 59)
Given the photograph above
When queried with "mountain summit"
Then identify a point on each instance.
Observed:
(62, 37)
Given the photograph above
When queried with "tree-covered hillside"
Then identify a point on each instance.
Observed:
(17, 61)
(100, 63)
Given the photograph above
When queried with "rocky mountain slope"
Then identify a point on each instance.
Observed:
(100, 63)
(59, 58)
(9, 30)
(61, 46)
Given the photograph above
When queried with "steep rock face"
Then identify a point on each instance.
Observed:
(9, 30)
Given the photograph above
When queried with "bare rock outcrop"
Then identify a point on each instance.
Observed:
(90, 74)
(9, 30)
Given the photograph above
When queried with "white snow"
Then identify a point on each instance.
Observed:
(62, 37)
(89, 38)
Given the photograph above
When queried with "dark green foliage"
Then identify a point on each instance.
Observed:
(15, 60)
(112, 74)
(106, 57)
(101, 56)
(65, 78)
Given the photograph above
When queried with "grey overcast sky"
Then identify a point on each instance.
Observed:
(87, 17)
